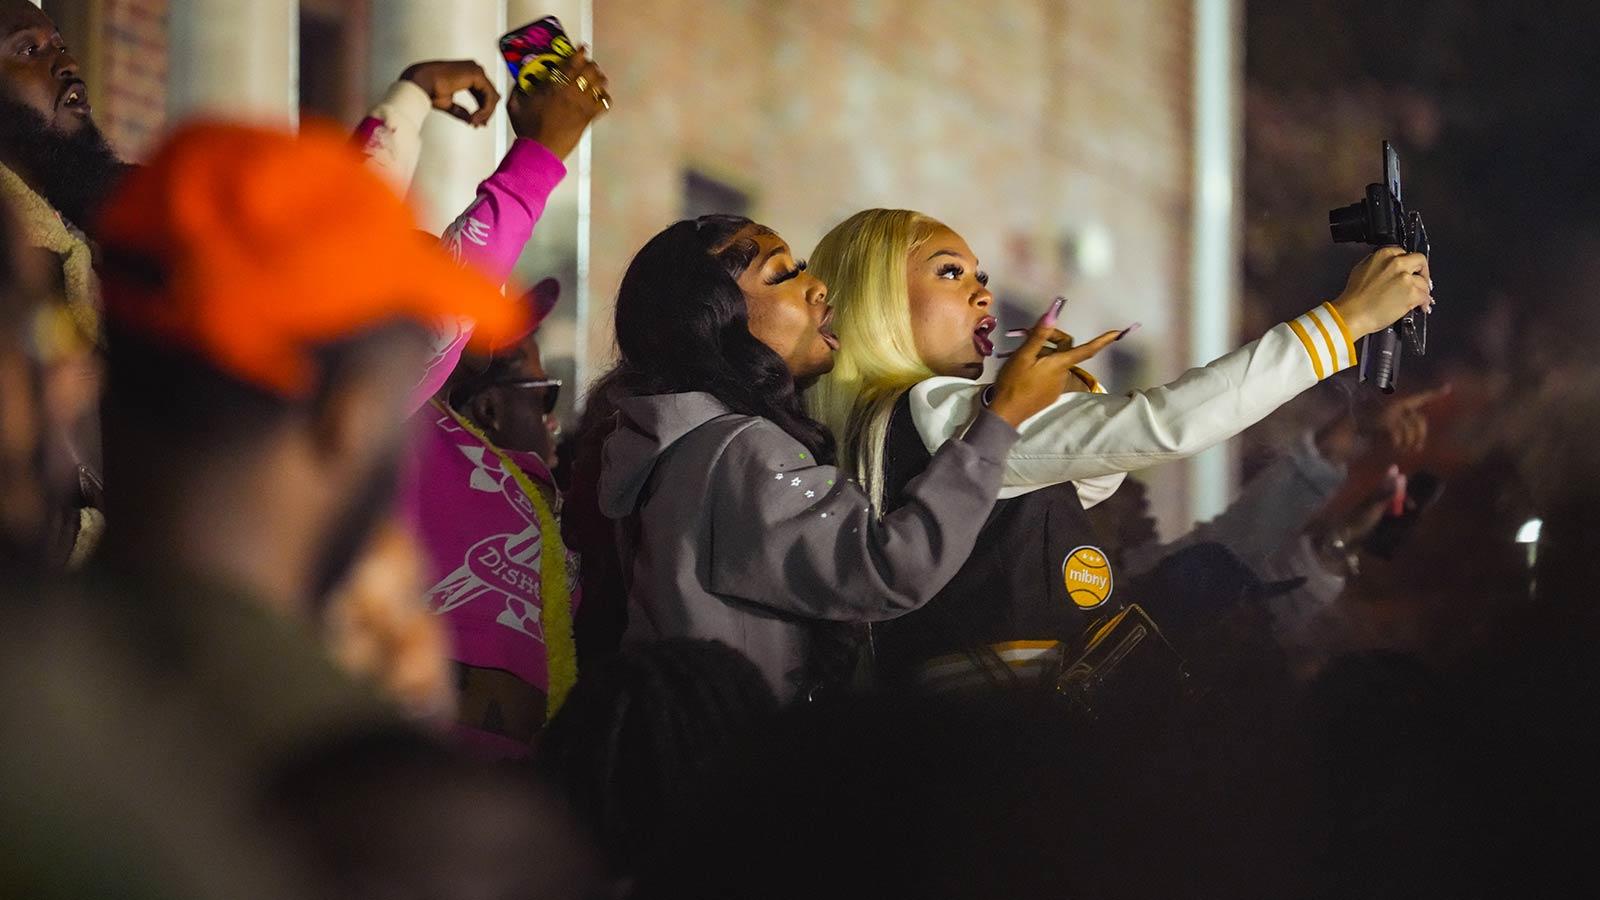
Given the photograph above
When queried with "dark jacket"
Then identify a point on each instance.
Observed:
(1011, 588)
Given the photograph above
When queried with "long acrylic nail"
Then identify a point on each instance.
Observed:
(1127, 331)
(1017, 332)
(1054, 311)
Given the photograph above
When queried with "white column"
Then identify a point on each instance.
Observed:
(560, 245)
(238, 58)
(455, 157)
(1214, 252)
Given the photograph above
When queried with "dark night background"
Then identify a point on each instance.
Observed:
(1489, 106)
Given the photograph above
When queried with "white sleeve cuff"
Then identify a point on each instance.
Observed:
(405, 102)
(1326, 339)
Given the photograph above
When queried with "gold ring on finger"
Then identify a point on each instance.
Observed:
(582, 82)
(603, 98)
(559, 77)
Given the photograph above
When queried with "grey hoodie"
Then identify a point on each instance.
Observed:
(732, 531)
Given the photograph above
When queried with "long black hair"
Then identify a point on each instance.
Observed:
(682, 325)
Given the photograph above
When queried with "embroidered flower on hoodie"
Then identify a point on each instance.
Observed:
(795, 483)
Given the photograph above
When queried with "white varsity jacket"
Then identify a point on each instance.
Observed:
(1094, 439)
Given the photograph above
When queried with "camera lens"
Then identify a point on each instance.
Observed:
(1348, 223)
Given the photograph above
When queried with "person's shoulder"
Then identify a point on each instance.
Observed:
(942, 390)
(940, 407)
(714, 439)
(738, 446)
(756, 439)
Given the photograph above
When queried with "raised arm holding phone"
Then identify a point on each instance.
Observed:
(549, 120)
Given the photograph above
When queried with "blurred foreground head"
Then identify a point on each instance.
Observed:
(266, 302)
(386, 816)
(26, 495)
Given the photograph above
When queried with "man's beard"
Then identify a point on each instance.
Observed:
(73, 172)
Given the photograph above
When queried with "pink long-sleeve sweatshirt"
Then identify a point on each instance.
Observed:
(489, 234)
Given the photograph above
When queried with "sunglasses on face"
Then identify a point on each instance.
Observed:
(551, 387)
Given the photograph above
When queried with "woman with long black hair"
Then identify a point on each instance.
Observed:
(733, 523)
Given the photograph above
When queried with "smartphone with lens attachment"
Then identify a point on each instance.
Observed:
(533, 50)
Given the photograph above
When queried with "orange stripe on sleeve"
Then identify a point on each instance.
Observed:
(1333, 349)
(1344, 330)
(1311, 349)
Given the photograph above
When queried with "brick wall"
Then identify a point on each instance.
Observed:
(1023, 124)
(1018, 122)
(129, 73)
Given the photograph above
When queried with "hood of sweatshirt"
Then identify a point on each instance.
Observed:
(646, 428)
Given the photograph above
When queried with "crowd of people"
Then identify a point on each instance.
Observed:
(306, 594)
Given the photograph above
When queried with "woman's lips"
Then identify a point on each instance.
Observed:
(826, 330)
(980, 336)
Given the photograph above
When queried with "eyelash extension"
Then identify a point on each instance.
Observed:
(791, 274)
(957, 271)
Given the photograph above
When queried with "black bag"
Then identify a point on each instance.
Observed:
(1123, 660)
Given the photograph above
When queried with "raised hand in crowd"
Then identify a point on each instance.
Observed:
(443, 79)
(1398, 425)
(558, 111)
(1403, 423)
(1336, 535)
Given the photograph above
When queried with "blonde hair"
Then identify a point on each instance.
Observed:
(863, 263)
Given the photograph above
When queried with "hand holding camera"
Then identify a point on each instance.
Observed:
(1382, 288)
(1381, 220)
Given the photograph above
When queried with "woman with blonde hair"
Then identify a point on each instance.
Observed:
(732, 522)
(913, 313)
